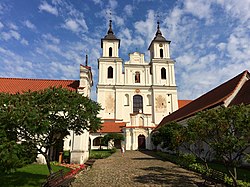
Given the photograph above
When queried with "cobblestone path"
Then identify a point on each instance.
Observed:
(135, 169)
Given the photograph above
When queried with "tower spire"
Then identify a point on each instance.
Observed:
(110, 31)
(158, 32)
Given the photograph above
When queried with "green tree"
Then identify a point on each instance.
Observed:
(43, 118)
(226, 132)
(169, 136)
(112, 136)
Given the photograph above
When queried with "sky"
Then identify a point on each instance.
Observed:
(48, 39)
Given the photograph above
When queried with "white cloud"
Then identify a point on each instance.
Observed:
(238, 9)
(199, 8)
(24, 42)
(13, 26)
(11, 34)
(75, 25)
(128, 10)
(30, 25)
(147, 28)
(51, 38)
(71, 25)
(48, 8)
(1, 25)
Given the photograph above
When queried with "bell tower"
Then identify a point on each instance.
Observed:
(164, 90)
(110, 73)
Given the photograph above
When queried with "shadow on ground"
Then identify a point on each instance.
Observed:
(172, 176)
(22, 179)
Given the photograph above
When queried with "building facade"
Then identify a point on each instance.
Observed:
(136, 93)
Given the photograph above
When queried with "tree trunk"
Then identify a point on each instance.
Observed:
(48, 163)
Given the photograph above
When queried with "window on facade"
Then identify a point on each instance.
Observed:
(137, 77)
(161, 53)
(163, 73)
(126, 100)
(110, 72)
(97, 141)
(137, 104)
(110, 52)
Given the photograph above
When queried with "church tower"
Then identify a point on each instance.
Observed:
(135, 95)
(110, 71)
(164, 90)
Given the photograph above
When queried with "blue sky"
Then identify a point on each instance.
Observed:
(210, 40)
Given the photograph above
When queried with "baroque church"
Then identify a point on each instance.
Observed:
(135, 95)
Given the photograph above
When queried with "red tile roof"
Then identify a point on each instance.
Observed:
(243, 95)
(108, 127)
(211, 99)
(182, 103)
(14, 85)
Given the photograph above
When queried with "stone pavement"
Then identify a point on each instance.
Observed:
(135, 169)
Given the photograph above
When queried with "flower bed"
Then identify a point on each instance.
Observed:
(75, 168)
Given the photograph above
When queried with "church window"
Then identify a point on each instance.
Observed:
(161, 53)
(137, 77)
(110, 52)
(137, 104)
(110, 72)
(163, 73)
(126, 100)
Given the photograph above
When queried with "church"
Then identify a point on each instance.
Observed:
(135, 95)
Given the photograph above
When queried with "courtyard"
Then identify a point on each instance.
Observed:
(136, 168)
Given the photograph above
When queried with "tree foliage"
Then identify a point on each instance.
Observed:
(221, 132)
(227, 132)
(43, 118)
(112, 136)
(170, 136)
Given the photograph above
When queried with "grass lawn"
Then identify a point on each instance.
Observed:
(99, 154)
(30, 175)
(243, 173)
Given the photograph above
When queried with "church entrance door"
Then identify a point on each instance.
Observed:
(141, 142)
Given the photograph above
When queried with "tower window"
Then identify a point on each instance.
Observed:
(137, 77)
(110, 72)
(110, 52)
(163, 73)
(137, 103)
(161, 53)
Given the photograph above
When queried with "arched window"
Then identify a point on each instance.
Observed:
(110, 52)
(110, 72)
(97, 141)
(126, 100)
(137, 103)
(137, 77)
(161, 53)
(163, 73)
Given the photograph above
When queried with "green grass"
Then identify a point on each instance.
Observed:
(30, 175)
(243, 173)
(99, 154)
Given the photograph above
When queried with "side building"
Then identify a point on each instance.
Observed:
(77, 145)
(135, 95)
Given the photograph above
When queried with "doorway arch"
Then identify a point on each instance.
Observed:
(141, 142)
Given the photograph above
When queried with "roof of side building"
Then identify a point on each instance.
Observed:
(214, 98)
(21, 85)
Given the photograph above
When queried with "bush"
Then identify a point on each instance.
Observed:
(113, 150)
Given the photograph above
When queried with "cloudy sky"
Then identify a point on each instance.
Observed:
(210, 40)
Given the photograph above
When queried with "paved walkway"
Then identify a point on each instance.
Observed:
(135, 169)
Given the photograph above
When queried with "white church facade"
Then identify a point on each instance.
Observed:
(135, 95)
